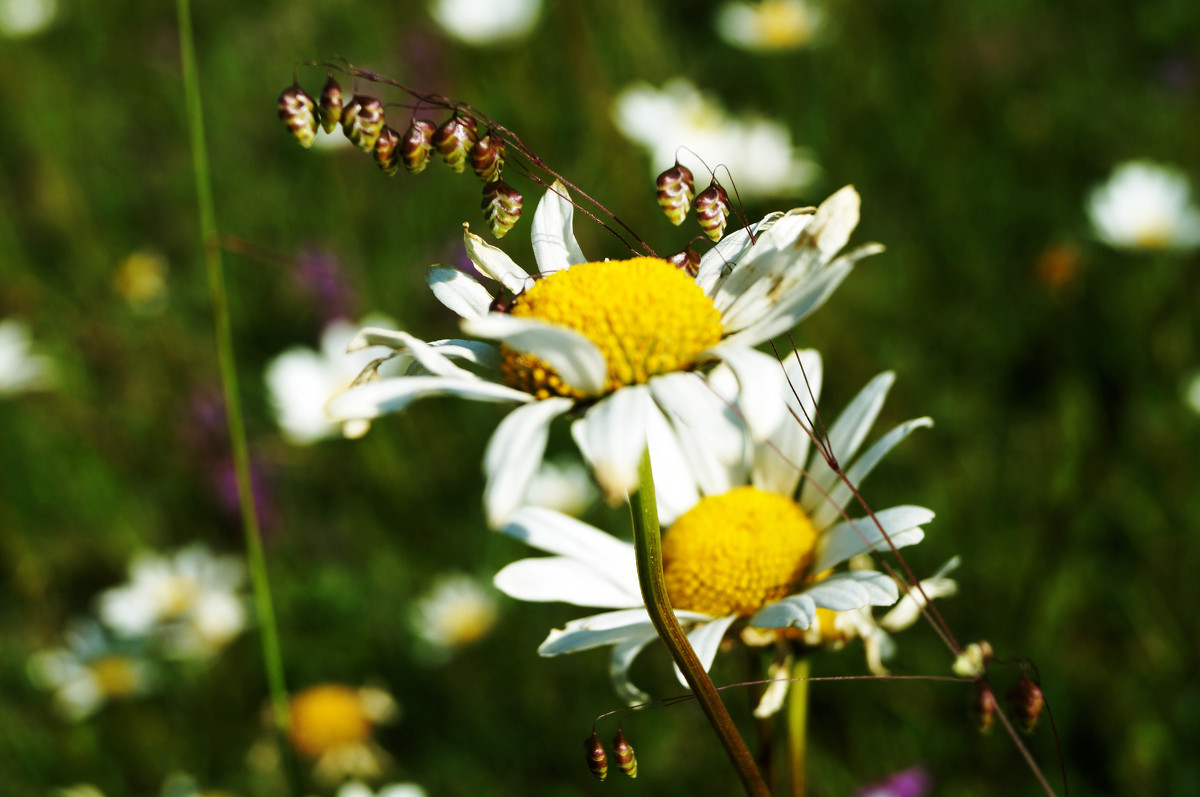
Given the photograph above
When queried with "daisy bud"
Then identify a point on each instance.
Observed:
(712, 209)
(487, 158)
(298, 112)
(624, 755)
(417, 145)
(676, 187)
(983, 707)
(973, 660)
(362, 122)
(454, 139)
(597, 760)
(1026, 701)
(387, 152)
(501, 207)
(688, 260)
(331, 104)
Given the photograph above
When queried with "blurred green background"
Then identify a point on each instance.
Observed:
(1063, 465)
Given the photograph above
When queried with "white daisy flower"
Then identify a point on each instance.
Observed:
(1145, 205)
(757, 150)
(563, 486)
(769, 25)
(484, 22)
(355, 788)
(601, 338)
(89, 671)
(301, 382)
(192, 601)
(745, 539)
(457, 612)
(20, 368)
(21, 18)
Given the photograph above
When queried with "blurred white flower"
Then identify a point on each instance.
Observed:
(482, 22)
(20, 368)
(456, 612)
(191, 601)
(301, 382)
(768, 25)
(758, 151)
(354, 788)
(1191, 392)
(89, 671)
(20, 18)
(1145, 205)
(331, 141)
(566, 487)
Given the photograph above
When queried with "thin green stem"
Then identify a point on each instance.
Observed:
(648, 544)
(265, 612)
(797, 722)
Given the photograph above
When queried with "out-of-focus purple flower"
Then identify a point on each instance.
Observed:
(912, 782)
(224, 481)
(319, 274)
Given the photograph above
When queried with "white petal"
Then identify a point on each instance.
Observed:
(674, 485)
(602, 629)
(705, 640)
(845, 436)
(612, 437)
(576, 359)
(761, 268)
(560, 534)
(796, 611)
(514, 454)
(771, 702)
(780, 461)
(845, 540)
(843, 592)
(429, 357)
(458, 291)
(760, 384)
(482, 354)
(554, 244)
(392, 395)
(710, 434)
(493, 262)
(558, 578)
(840, 494)
(618, 668)
(718, 263)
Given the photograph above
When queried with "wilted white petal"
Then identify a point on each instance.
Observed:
(554, 244)
(459, 292)
(494, 262)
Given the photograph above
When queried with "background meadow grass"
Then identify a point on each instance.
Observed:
(1063, 465)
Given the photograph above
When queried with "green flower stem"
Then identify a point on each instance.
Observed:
(648, 544)
(797, 722)
(264, 610)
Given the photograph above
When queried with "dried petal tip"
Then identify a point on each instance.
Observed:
(712, 209)
(973, 660)
(454, 139)
(501, 207)
(362, 122)
(298, 112)
(597, 760)
(983, 707)
(623, 751)
(417, 145)
(387, 152)
(487, 158)
(1026, 701)
(331, 104)
(688, 260)
(676, 187)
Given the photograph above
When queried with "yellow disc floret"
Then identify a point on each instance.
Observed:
(736, 552)
(646, 317)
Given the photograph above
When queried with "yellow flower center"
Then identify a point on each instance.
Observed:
(646, 317)
(736, 552)
(327, 717)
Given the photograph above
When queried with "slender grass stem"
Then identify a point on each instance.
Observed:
(648, 544)
(264, 609)
(797, 724)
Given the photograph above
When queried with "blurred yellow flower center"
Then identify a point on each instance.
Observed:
(116, 675)
(736, 552)
(327, 717)
(646, 317)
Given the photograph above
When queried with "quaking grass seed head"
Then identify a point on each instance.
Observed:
(298, 112)
(983, 706)
(387, 151)
(454, 140)
(597, 759)
(487, 157)
(712, 210)
(1026, 701)
(623, 752)
(331, 104)
(501, 207)
(688, 260)
(362, 122)
(676, 187)
(416, 146)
